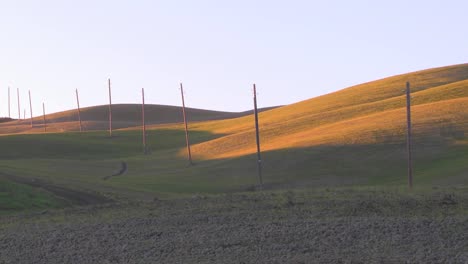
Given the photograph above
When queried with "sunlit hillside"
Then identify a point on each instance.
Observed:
(370, 113)
(356, 136)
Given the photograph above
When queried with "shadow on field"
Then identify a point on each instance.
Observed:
(436, 160)
(72, 196)
(95, 145)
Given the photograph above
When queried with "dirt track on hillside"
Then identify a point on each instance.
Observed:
(122, 170)
(244, 229)
(73, 196)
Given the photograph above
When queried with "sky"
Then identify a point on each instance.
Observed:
(293, 50)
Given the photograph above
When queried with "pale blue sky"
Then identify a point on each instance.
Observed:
(293, 50)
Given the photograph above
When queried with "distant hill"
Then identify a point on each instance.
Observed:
(5, 119)
(123, 116)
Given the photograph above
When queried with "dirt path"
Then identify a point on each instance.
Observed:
(74, 196)
(122, 170)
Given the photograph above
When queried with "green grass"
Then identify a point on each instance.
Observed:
(18, 197)
(93, 145)
(322, 203)
(165, 174)
(354, 137)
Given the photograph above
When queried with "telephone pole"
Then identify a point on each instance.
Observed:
(9, 113)
(79, 111)
(110, 108)
(187, 140)
(143, 120)
(409, 136)
(30, 108)
(19, 107)
(257, 134)
(43, 116)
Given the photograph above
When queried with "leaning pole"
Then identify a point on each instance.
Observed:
(187, 139)
(30, 108)
(145, 151)
(79, 111)
(19, 107)
(409, 136)
(257, 135)
(9, 112)
(110, 108)
(43, 117)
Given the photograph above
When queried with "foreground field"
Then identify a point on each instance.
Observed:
(370, 225)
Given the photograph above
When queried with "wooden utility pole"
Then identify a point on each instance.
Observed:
(19, 107)
(143, 120)
(110, 108)
(43, 117)
(9, 113)
(30, 108)
(409, 136)
(257, 133)
(187, 140)
(79, 111)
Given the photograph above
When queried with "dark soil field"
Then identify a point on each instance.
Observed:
(315, 226)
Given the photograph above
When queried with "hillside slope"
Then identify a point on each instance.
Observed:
(356, 136)
(123, 116)
(439, 99)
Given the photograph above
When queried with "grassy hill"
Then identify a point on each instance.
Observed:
(123, 116)
(351, 137)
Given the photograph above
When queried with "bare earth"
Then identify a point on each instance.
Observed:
(288, 227)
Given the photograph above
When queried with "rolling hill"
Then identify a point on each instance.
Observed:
(124, 116)
(439, 99)
(352, 137)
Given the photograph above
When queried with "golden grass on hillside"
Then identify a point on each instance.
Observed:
(386, 94)
(378, 114)
(377, 90)
(382, 127)
(369, 113)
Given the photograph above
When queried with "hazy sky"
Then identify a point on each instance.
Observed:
(293, 50)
